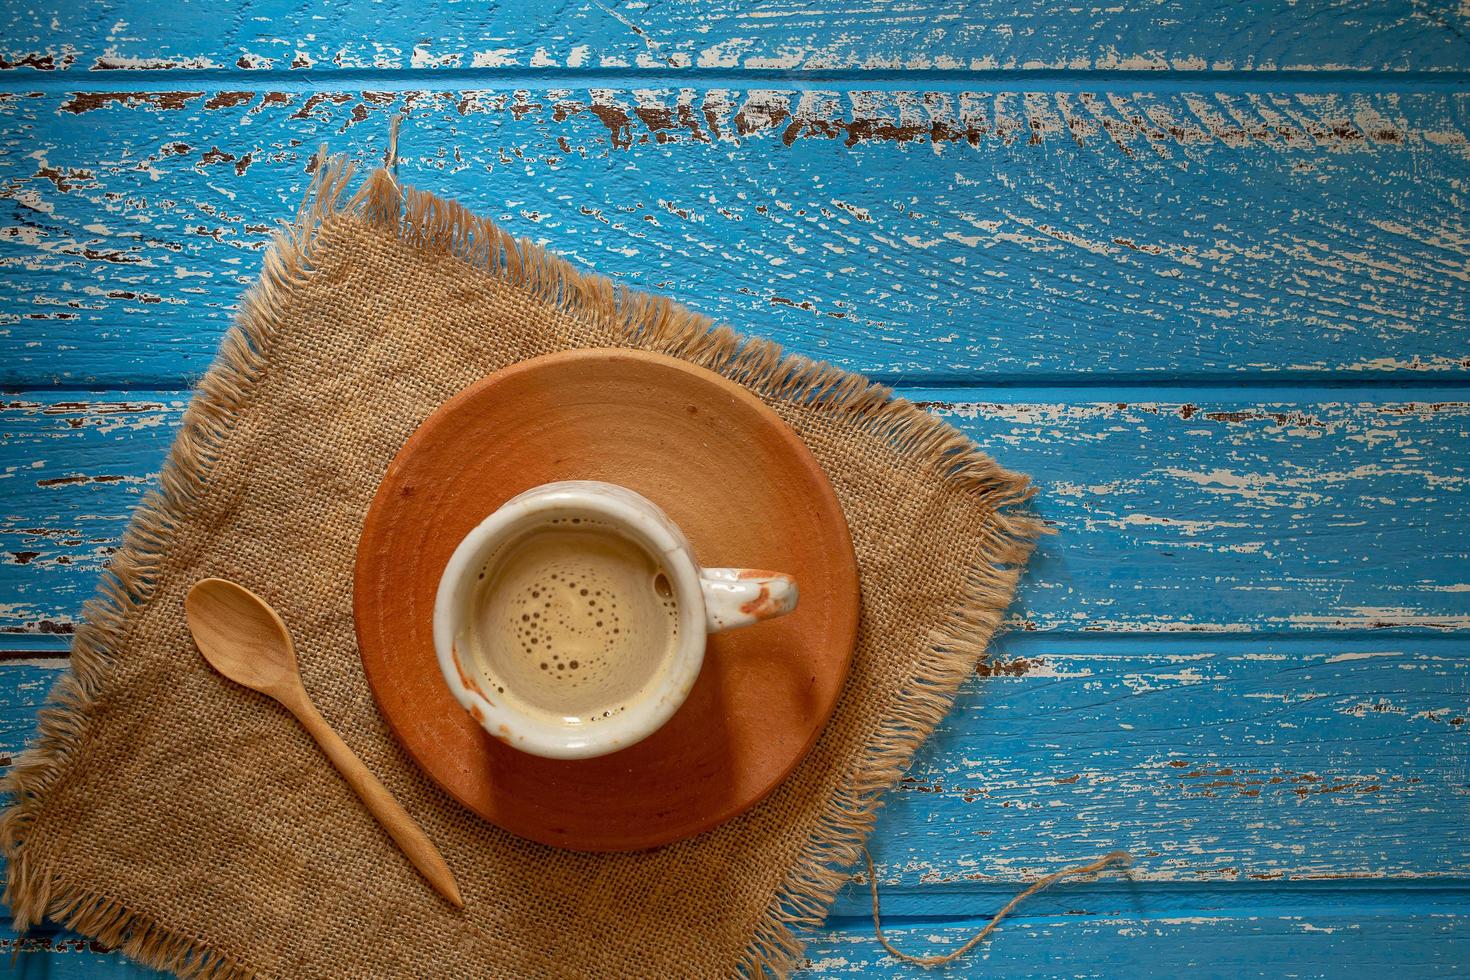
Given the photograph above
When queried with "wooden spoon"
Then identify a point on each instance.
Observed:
(243, 638)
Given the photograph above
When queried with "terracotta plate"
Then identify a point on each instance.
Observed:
(746, 491)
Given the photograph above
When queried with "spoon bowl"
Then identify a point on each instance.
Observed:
(243, 638)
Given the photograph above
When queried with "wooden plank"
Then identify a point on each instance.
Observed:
(24, 684)
(1216, 763)
(925, 237)
(1215, 511)
(72, 472)
(786, 35)
(1207, 511)
(1402, 942)
(1209, 759)
(1408, 941)
(1411, 941)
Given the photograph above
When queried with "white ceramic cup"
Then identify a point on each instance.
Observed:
(709, 600)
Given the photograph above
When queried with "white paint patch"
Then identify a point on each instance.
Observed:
(421, 58)
(1143, 684)
(1219, 479)
(1370, 616)
(1415, 363)
(784, 61)
(1050, 668)
(494, 58)
(132, 63)
(726, 54)
(18, 611)
(31, 198)
(1347, 657)
(919, 242)
(1189, 528)
(829, 963)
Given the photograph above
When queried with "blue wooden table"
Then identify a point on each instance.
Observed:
(1203, 271)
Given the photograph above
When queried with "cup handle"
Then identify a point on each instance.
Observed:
(736, 597)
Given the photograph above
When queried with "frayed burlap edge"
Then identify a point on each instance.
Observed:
(446, 228)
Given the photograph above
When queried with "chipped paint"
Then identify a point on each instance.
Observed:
(967, 119)
(855, 39)
(999, 257)
(1278, 539)
(1238, 233)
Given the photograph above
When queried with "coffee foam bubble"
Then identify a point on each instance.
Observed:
(572, 621)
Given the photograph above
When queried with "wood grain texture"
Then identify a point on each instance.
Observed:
(1209, 511)
(1210, 759)
(1233, 943)
(1422, 940)
(100, 458)
(1132, 249)
(940, 237)
(1217, 763)
(1261, 35)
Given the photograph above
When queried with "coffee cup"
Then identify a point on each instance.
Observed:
(572, 621)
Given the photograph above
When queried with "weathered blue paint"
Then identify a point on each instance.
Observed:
(1102, 240)
(340, 35)
(1072, 747)
(1342, 940)
(1112, 236)
(1215, 761)
(1201, 511)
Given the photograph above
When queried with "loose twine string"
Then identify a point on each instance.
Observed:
(1120, 858)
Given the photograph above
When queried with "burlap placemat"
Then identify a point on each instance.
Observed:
(194, 823)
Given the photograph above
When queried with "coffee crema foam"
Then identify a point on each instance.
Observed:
(572, 621)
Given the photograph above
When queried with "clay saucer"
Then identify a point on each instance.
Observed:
(746, 491)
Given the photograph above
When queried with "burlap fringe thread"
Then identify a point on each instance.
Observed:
(446, 228)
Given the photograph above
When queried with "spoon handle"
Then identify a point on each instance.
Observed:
(395, 820)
